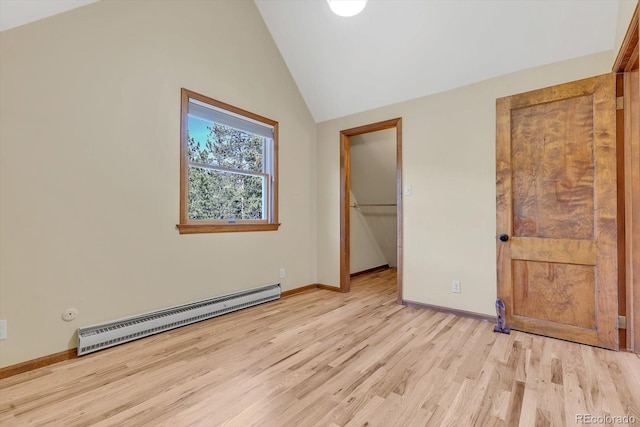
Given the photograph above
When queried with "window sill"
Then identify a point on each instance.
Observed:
(224, 228)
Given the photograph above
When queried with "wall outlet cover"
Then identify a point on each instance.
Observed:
(456, 287)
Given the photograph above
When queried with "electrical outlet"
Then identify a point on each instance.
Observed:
(456, 287)
(3, 329)
(282, 272)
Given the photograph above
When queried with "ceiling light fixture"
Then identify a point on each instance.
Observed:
(347, 7)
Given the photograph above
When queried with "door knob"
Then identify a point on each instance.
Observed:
(503, 237)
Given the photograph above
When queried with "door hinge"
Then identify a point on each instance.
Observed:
(620, 103)
(622, 322)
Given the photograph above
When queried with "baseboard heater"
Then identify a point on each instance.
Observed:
(104, 335)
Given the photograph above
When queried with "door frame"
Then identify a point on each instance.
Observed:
(629, 168)
(345, 187)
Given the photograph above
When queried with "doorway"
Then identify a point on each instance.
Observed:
(349, 203)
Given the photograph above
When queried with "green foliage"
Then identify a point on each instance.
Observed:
(221, 194)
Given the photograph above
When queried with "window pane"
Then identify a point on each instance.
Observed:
(215, 144)
(213, 114)
(216, 195)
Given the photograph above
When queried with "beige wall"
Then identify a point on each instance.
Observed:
(625, 12)
(89, 152)
(365, 251)
(449, 160)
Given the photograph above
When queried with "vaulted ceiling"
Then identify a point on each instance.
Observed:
(397, 50)
(14, 13)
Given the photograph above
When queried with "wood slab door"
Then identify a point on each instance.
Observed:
(556, 211)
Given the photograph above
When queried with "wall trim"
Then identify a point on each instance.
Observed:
(370, 270)
(447, 310)
(301, 289)
(328, 288)
(40, 362)
(309, 288)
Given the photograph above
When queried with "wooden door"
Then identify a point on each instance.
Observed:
(556, 204)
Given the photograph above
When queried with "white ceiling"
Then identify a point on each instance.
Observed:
(397, 50)
(14, 13)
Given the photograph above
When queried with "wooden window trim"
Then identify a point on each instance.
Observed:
(225, 228)
(186, 226)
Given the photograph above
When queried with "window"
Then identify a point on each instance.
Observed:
(228, 169)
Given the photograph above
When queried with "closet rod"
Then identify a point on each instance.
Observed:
(357, 205)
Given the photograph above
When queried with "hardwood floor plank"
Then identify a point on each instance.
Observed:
(329, 359)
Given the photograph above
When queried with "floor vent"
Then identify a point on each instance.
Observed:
(98, 337)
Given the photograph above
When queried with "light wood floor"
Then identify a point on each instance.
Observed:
(327, 359)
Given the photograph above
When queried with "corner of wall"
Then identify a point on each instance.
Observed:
(625, 12)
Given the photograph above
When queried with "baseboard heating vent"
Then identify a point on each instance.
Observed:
(104, 335)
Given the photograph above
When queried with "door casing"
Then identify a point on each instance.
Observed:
(626, 65)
